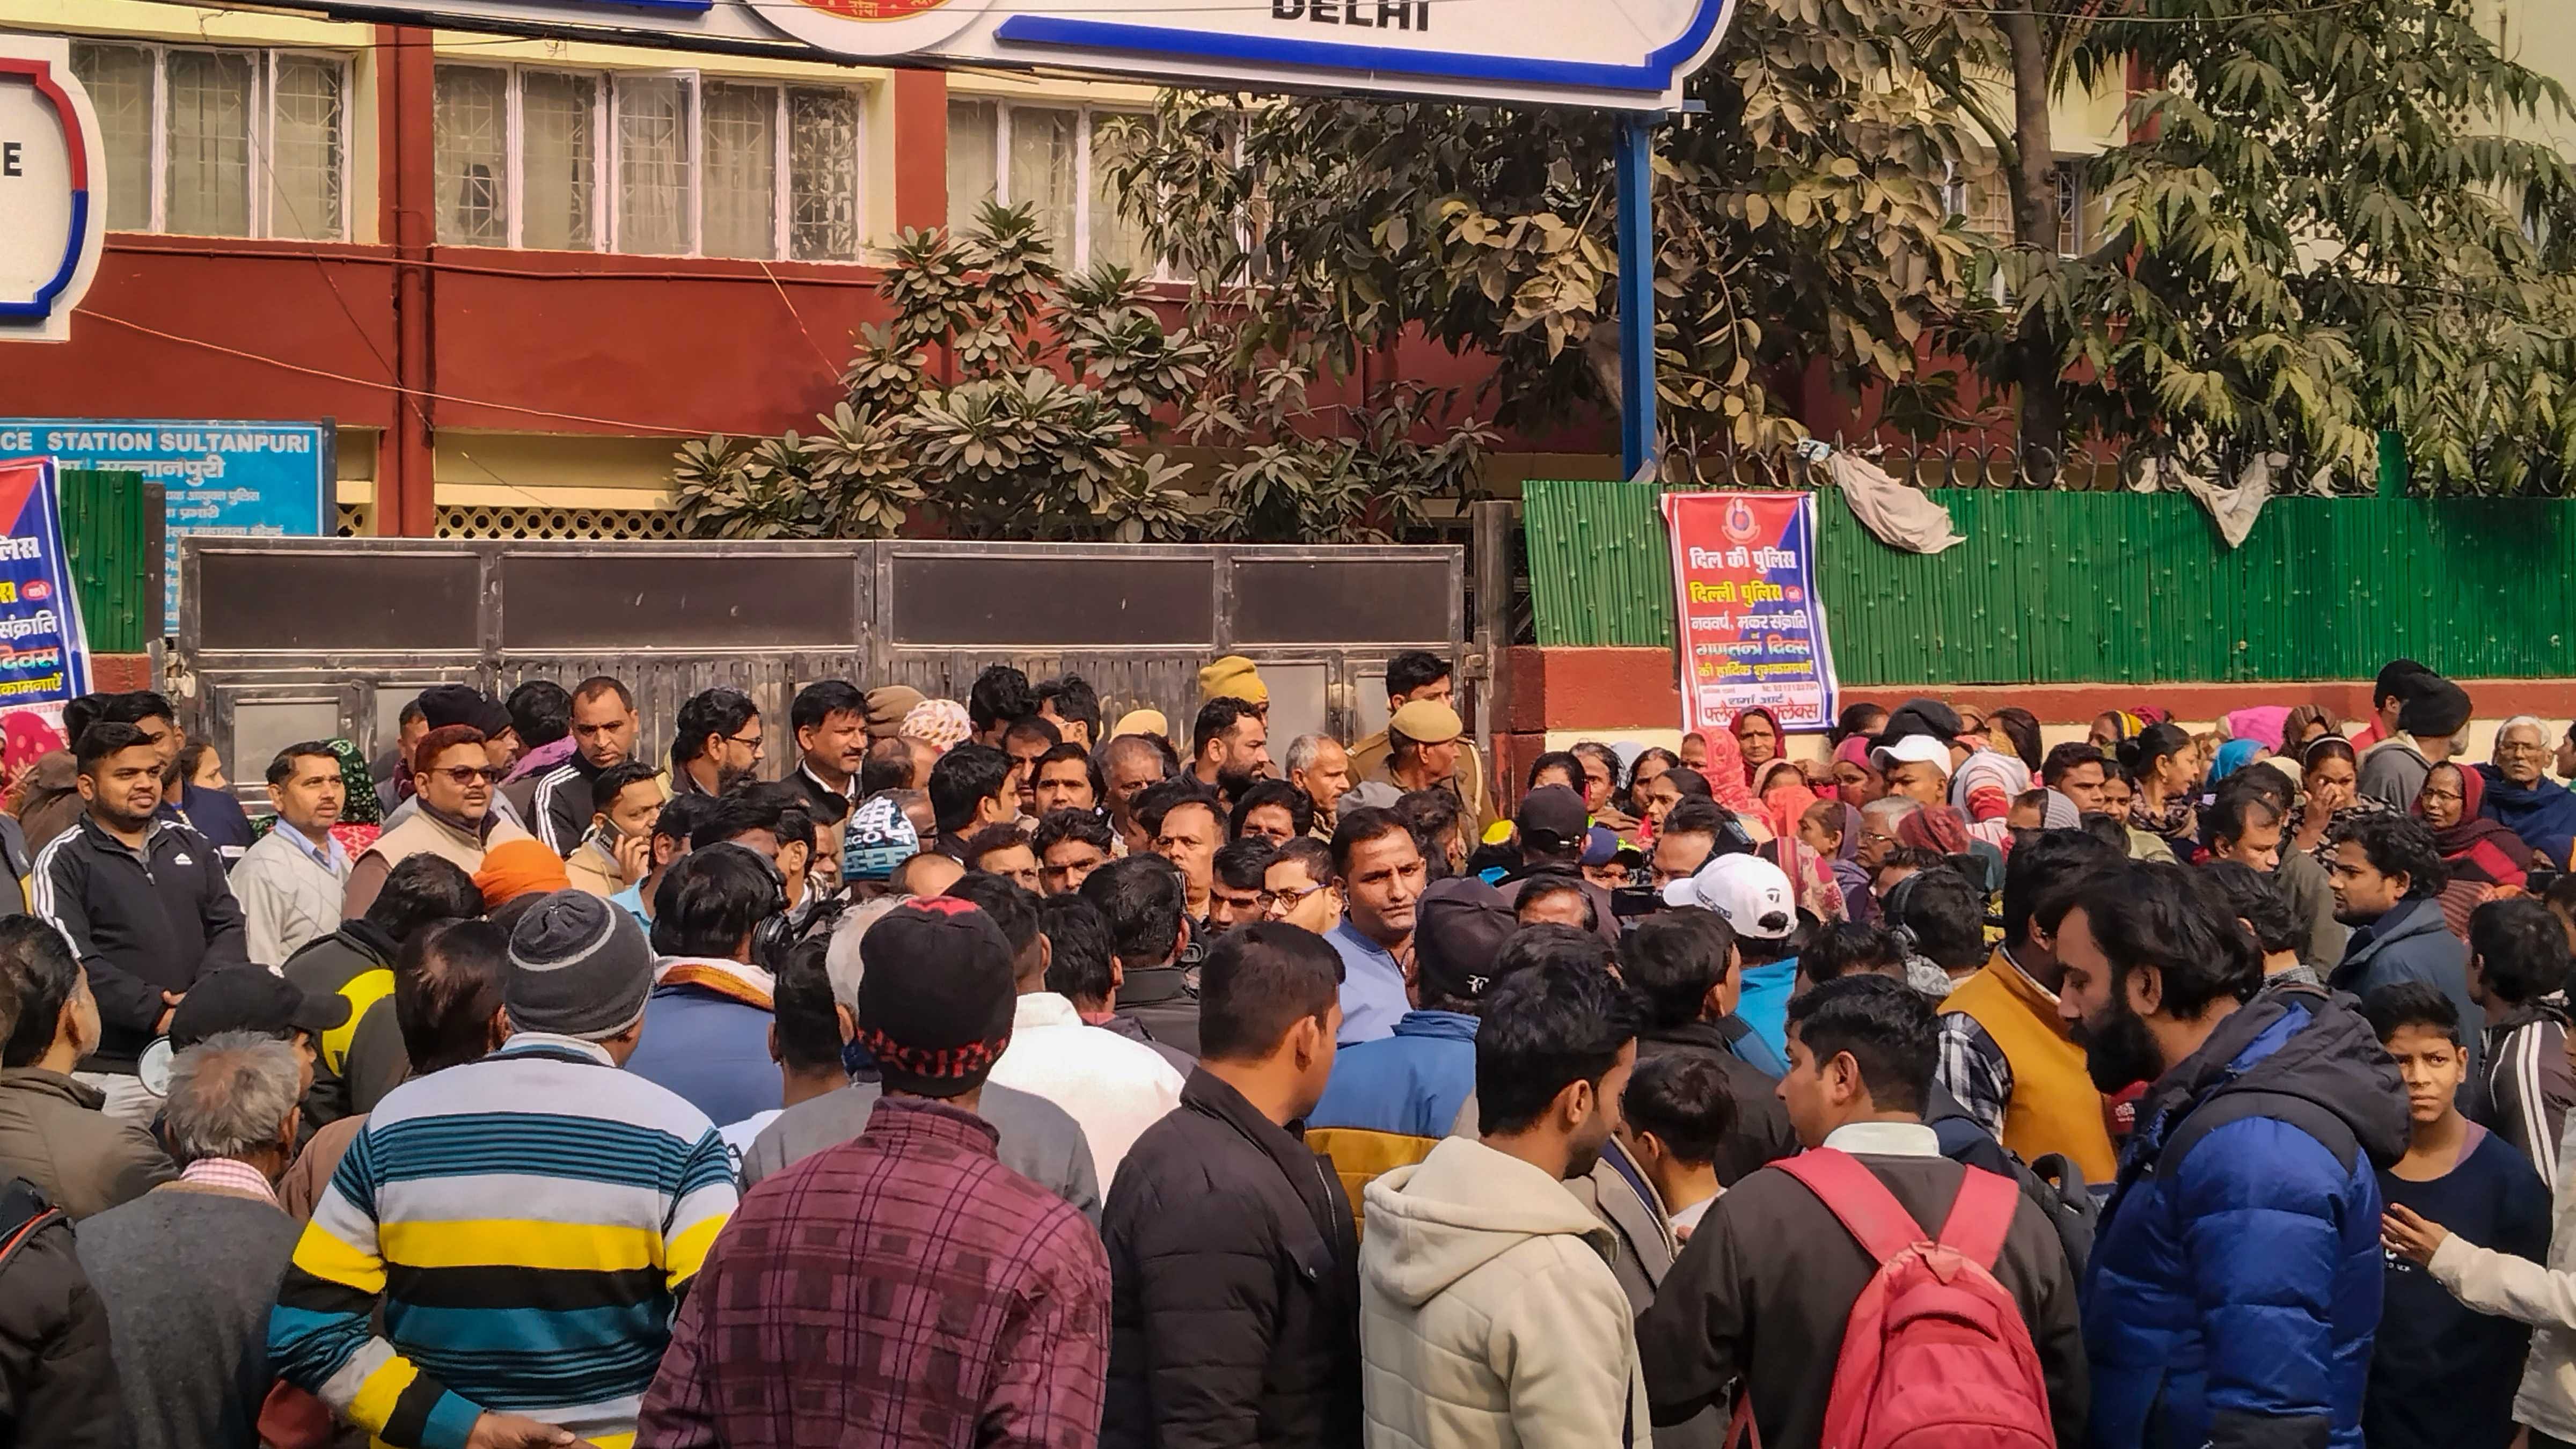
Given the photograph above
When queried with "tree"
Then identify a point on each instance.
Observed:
(2317, 229)
(1801, 223)
(1044, 412)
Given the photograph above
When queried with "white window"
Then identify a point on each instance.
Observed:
(1043, 157)
(671, 163)
(221, 142)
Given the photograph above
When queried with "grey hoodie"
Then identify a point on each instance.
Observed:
(1489, 1315)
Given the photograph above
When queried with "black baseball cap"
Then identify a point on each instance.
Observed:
(253, 999)
(1458, 935)
(1552, 817)
(936, 996)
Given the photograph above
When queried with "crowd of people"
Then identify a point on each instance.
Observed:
(1007, 1074)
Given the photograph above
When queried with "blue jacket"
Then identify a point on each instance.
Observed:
(1391, 1100)
(2411, 943)
(710, 1049)
(2232, 1293)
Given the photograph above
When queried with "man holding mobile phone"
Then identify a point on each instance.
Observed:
(617, 849)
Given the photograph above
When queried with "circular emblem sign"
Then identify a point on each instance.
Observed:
(49, 169)
(875, 28)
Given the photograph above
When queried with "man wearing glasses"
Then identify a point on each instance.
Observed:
(717, 741)
(456, 819)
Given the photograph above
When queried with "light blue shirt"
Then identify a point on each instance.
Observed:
(334, 860)
(1373, 998)
(632, 899)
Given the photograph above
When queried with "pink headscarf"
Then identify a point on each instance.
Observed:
(1725, 772)
(1782, 805)
(2263, 722)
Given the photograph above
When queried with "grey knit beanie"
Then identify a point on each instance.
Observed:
(578, 967)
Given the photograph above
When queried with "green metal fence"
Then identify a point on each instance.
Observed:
(110, 532)
(2065, 587)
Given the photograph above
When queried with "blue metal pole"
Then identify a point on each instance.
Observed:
(1637, 292)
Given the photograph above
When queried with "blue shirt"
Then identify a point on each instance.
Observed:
(1765, 1005)
(334, 860)
(632, 899)
(1373, 998)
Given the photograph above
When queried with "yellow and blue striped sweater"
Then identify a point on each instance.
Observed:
(528, 1222)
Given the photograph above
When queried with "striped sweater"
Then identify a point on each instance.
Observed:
(528, 1223)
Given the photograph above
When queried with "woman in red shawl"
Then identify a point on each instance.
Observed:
(2485, 858)
(1757, 739)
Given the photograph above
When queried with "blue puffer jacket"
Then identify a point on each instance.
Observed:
(2232, 1303)
(1391, 1100)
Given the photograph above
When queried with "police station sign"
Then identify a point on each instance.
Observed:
(1627, 54)
(51, 222)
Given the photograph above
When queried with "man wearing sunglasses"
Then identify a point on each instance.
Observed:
(456, 819)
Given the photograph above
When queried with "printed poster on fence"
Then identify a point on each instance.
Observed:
(246, 479)
(1752, 630)
(44, 656)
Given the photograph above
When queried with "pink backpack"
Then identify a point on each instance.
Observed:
(1935, 1353)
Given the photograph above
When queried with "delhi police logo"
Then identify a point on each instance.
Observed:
(875, 28)
(35, 591)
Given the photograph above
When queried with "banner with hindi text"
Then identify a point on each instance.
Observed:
(44, 656)
(1750, 626)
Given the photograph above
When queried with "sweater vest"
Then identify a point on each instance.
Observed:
(2055, 1107)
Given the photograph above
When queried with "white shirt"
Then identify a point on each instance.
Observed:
(1114, 1087)
(1885, 1139)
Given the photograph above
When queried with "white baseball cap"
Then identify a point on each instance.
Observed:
(1912, 750)
(1751, 893)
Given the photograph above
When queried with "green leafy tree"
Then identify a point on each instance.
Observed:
(1801, 225)
(1011, 401)
(2320, 229)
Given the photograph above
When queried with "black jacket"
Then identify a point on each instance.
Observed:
(140, 929)
(1761, 1132)
(57, 1377)
(359, 1061)
(559, 808)
(1234, 1286)
(1164, 1000)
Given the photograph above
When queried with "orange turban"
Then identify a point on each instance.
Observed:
(516, 867)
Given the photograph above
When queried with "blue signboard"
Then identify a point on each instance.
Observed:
(44, 656)
(264, 480)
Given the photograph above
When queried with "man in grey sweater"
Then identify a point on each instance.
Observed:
(189, 1271)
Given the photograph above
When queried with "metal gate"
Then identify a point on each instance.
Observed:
(282, 640)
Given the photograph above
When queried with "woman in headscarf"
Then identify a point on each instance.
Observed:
(2262, 723)
(362, 816)
(2519, 793)
(1757, 738)
(2232, 756)
(1857, 781)
(2166, 765)
(1728, 778)
(2328, 774)
(2304, 724)
(2483, 855)
(2113, 727)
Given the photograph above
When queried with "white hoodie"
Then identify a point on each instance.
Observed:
(1489, 1317)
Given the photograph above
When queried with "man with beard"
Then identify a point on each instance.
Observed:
(1229, 746)
(1763, 1290)
(1488, 1313)
(142, 901)
(2236, 1279)
(716, 741)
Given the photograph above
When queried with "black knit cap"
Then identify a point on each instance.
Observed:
(2435, 708)
(936, 996)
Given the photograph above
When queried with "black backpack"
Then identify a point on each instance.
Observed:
(24, 1213)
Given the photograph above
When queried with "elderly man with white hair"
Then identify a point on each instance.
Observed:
(189, 1270)
(2520, 794)
(1318, 765)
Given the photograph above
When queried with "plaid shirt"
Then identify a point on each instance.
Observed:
(900, 1291)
